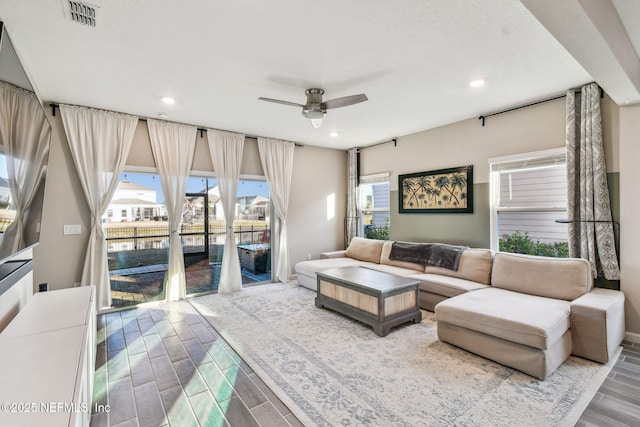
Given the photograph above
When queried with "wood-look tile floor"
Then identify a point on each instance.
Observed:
(166, 366)
(617, 402)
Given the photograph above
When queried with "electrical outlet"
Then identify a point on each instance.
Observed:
(72, 229)
(308, 256)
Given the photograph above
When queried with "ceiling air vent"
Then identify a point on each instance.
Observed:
(82, 13)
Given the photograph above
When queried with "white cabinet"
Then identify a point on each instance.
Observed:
(47, 360)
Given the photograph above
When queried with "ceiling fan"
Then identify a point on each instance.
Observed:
(315, 108)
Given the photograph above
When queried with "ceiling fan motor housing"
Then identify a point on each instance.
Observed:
(314, 108)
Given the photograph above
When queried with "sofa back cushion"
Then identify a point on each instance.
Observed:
(384, 259)
(474, 264)
(560, 278)
(365, 249)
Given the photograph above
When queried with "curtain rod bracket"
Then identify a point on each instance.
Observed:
(481, 118)
(395, 142)
(53, 108)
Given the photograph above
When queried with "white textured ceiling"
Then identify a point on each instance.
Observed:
(413, 59)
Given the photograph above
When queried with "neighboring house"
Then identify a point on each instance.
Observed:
(247, 207)
(253, 208)
(5, 193)
(134, 202)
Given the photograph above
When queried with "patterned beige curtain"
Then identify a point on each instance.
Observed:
(351, 228)
(591, 234)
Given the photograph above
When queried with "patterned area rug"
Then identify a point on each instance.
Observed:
(331, 370)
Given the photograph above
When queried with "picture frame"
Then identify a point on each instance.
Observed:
(438, 191)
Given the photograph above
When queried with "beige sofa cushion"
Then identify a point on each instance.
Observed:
(597, 324)
(365, 249)
(445, 285)
(561, 278)
(474, 264)
(384, 258)
(392, 269)
(524, 319)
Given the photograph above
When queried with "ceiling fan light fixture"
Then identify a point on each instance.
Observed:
(315, 109)
(316, 123)
(313, 113)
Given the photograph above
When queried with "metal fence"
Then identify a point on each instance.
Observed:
(144, 237)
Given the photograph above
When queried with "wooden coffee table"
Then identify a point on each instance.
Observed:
(378, 299)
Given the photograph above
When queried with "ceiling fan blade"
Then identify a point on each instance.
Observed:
(345, 101)
(278, 101)
(316, 123)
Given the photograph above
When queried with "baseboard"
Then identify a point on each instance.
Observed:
(630, 336)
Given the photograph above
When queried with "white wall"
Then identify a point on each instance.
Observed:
(318, 173)
(629, 214)
(14, 298)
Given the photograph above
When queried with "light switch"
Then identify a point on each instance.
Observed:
(72, 229)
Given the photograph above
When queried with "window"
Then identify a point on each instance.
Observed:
(375, 205)
(528, 195)
(7, 210)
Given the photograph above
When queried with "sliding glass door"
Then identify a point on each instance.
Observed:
(204, 232)
(137, 233)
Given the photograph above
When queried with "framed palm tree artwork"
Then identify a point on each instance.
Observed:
(438, 191)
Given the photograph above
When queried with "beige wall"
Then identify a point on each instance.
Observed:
(629, 209)
(467, 142)
(459, 144)
(318, 173)
(318, 202)
(58, 259)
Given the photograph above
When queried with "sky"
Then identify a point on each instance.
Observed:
(3, 166)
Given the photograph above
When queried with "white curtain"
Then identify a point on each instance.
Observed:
(226, 155)
(351, 224)
(173, 146)
(277, 163)
(99, 143)
(25, 133)
(591, 234)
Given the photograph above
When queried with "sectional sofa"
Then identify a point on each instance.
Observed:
(526, 312)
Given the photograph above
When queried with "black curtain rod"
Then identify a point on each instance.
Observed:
(483, 117)
(144, 119)
(394, 140)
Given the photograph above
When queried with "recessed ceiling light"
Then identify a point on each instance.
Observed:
(168, 100)
(333, 134)
(478, 82)
(163, 115)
